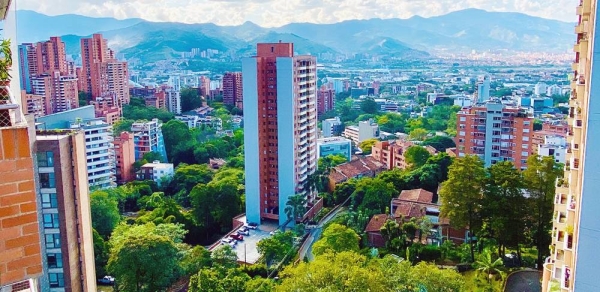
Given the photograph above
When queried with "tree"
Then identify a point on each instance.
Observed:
(372, 195)
(224, 257)
(195, 259)
(185, 178)
(216, 203)
(190, 99)
(488, 266)
(440, 143)
(100, 253)
(416, 156)
(504, 206)
(276, 247)
(295, 207)
(83, 98)
(418, 134)
(122, 126)
(176, 132)
(105, 212)
(231, 280)
(392, 122)
(540, 178)
(369, 106)
(367, 145)
(336, 238)
(461, 194)
(144, 257)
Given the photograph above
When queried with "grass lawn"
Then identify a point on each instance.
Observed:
(472, 279)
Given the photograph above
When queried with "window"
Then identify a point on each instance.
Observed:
(51, 221)
(524, 153)
(462, 119)
(45, 159)
(47, 180)
(49, 201)
(462, 133)
(52, 240)
(55, 260)
(525, 130)
(57, 280)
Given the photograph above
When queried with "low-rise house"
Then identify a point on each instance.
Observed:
(417, 203)
(358, 167)
(391, 153)
(155, 171)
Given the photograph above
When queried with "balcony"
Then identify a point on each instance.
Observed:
(579, 28)
(10, 111)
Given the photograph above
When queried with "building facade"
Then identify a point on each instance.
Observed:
(155, 171)
(495, 132)
(173, 95)
(334, 146)
(331, 127)
(391, 153)
(147, 137)
(325, 100)
(124, 157)
(66, 217)
(233, 89)
(576, 228)
(280, 121)
(364, 131)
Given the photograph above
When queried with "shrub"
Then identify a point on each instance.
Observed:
(430, 253)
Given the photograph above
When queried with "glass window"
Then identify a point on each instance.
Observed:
(49, 201)
(47, 180)
(55, 260)
(52, 240)
(57, 280)
(45, 159)
(50, 220)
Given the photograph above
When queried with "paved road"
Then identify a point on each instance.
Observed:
(315, 234)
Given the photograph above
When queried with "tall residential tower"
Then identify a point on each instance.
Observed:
(573, 263)
(280, 140)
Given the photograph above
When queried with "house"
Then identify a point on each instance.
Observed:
(216, 163)
(358, 167)
(391, 153)
(417, 203)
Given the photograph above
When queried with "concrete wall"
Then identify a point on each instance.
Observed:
(251, 159)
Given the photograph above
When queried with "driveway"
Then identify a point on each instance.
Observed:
(524, 281)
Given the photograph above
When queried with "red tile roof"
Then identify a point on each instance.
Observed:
(376, 223)
(416, 195)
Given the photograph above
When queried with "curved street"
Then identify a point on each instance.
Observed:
(315, 234)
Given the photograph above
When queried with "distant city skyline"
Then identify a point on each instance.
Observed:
(272, 13)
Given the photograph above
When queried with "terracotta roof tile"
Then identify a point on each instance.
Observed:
(376, 223)
(416, 195)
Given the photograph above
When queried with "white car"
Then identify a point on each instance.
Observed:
(243, 232)
(250, 226)
(227, 240)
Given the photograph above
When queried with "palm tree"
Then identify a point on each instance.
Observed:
(486, 265)
(295, 207)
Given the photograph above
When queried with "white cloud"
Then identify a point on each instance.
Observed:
(280, 12)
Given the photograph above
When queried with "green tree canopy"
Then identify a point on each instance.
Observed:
(369, 106)
(440, 143)
(105, 212)
(190, 99)
(336, 238)
(461, 194)
(418, 134)
(367, 145)
(145, 257)
(276, 247)
(416, 156)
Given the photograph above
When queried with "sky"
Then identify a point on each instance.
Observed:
(273, 13)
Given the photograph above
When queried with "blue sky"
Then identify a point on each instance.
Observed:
(279, 12)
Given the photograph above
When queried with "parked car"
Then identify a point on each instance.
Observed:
(244, 229)
(250, 226)
(232, 243)
(106, 280)
(253, 224)
(227, 240)
(237, 237)
(243, 232)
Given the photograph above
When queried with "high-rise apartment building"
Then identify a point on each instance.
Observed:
(147, 137)
(103, 77)
(32, 104)
(483, 90)
(66, 218)
(58, 91)
(233, 89)
(99, 150)
(173, 95)
(495, 132)
(44, 71)
(280, 118)
(325, 100)
(574, 257)
(125, 157)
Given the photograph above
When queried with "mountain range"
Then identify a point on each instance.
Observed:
(460, 31)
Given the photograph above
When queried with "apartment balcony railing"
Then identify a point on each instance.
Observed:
(10, 111)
